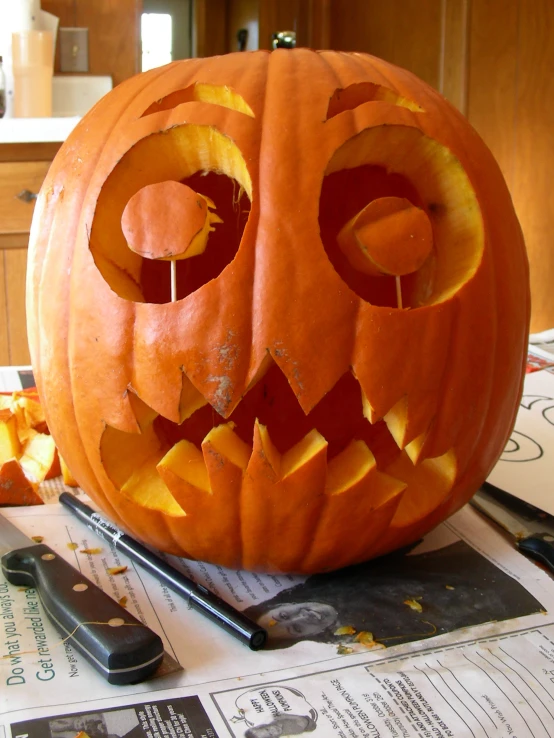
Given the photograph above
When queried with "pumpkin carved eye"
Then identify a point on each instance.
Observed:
(353, 96)
(392, 203)
(180, 195)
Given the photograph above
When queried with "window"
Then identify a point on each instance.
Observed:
(156, 36)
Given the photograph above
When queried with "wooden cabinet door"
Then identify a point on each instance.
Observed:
(16, 212)
(14, 349)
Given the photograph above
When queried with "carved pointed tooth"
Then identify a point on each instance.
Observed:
(146, 383)
(130, 414)
(429, 484)
(415, 447)
(287, 503)
(186, 462)
(121, 453)
(259, 373)
(409, 421)
(349, 467)
(207, 486)
(147, 489)
(311, 382)
(397, 421)
(301, 454)
(144, 414)
(368, 411)
(360, 502)
(226, 457)
(190, 400)
(223, 440)
(271, 454)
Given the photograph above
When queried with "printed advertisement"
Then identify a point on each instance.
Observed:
(178, 717)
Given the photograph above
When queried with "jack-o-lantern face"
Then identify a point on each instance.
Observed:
(278, 308)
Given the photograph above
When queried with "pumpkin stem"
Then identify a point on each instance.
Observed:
(398, 291)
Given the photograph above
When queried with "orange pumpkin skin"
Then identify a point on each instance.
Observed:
(248, 422)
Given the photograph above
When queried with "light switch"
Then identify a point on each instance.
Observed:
(73, 49)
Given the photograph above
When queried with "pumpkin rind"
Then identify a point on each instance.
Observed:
(277, 318)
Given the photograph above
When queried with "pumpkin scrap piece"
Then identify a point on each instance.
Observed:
(10, 445)
(414, 605)
(24, 439)
(123, 601)
(39, 459)
(38, 539)
(72, 546)
(91, 551)
(344, 650)
(365, 637)
(15, 488)
(112, 570)
(345, 630)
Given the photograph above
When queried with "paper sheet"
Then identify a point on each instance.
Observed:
(340, 685)
(526, 467)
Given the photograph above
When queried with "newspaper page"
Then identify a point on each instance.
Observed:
(452, 638)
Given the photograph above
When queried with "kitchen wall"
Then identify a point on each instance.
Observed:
(114, 33)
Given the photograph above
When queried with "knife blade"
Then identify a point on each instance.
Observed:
(532, 529)
(119, 646)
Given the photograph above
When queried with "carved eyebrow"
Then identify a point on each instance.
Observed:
(221, 95)
(348, 98)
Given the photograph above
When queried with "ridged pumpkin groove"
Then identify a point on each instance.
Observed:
(332, 361)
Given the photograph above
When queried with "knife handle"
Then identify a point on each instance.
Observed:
(118, 645)
(539, 546)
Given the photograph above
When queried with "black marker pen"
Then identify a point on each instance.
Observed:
(196, 595)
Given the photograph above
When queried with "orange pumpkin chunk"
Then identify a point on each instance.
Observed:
(181, 233)
(389, 236)
(9, 439)
(15, 488)
(40, 459)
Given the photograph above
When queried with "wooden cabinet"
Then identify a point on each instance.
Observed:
(22, 170)
(20, 182)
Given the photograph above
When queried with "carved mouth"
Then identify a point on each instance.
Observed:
(269, 457)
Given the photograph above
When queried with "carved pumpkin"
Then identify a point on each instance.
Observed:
(278, 308)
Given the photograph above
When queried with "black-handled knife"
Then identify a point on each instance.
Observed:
(532, 529)
(118, 645)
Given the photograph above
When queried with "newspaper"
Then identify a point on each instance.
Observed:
(452, 638)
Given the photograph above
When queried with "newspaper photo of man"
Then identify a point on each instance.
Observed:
(396, 599)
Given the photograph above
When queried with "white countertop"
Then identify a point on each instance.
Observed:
(33, 130)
